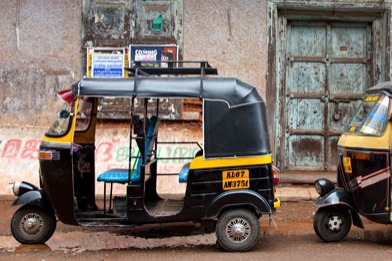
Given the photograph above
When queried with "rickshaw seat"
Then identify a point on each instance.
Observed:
(121, 175)
(183, 176)
(114, 175)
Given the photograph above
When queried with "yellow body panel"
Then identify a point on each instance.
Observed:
(277, 203)
(68, 138)
(87, 136)
(201, 163)
(348, 140)
(80, 137)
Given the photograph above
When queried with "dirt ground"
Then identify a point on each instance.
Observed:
(289, 236)
(288, 212)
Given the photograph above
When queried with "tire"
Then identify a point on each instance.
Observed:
(32, 225)
(237, 230)
(332, 224)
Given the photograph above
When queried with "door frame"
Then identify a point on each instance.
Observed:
(279, 13)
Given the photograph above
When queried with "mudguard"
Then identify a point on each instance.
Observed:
(33, 197)
(237, 199)
(340, 197)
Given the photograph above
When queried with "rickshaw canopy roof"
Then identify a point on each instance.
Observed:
(234, 114)
(230, 90)
(384, 86)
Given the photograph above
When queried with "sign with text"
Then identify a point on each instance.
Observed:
(152, 55)
(106, 62)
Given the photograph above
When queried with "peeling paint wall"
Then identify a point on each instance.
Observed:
(231, 35)
(41, 49)
(39, 55)
(42, 52)
(19, 153)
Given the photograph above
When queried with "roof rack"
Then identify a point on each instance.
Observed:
(204, 68)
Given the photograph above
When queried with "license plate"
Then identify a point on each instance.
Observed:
(235, 179)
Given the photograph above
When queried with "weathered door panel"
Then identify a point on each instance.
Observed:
(349, 40)
(332, 152)
(305, 114)
(340, 113)
(347, 79)
(305, 150)
(327, 72)
(306, 78)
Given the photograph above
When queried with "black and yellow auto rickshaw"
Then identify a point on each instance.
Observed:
(229, 180)
(364, 170)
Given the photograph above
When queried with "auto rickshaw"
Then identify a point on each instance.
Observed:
(229, 181)
(363, 171)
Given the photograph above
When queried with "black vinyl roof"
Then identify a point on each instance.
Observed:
(230, 90)
(234, 113)
(384, 86)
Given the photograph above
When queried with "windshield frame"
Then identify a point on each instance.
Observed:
(84, 113)
(66, 126)
(372, 116)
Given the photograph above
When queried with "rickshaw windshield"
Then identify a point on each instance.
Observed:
(371, 117)
(83, 116)
(61, 121)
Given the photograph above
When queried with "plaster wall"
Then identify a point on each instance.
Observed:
(41, 53)
(19, 154)
(230, 35)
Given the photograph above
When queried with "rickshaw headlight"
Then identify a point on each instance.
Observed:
(14, 186)
(323, 186)
(19, 188)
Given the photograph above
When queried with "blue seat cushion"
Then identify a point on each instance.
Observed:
(184, 173)
(121, 175)
(114, 175)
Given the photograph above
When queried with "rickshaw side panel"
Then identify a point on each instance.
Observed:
(237, 199)
(56, 175)
(84, 176)
(206, 195)
(369, 182)
(229, 132)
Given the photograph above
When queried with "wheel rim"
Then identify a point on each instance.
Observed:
(335, 223)
(32, 224)
(238, 230)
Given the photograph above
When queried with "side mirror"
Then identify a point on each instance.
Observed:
(63, 114)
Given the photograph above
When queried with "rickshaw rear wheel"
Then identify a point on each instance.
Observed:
(332, 224)
(32, 225)
(237, 230)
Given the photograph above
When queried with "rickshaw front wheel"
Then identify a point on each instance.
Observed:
(32, 225)
(237, 230)
(332, 224)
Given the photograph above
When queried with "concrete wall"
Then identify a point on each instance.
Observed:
(41, 49)
(19, 153)
(231, 35)
(41, 53)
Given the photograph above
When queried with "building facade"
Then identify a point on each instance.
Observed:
(310, 60)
